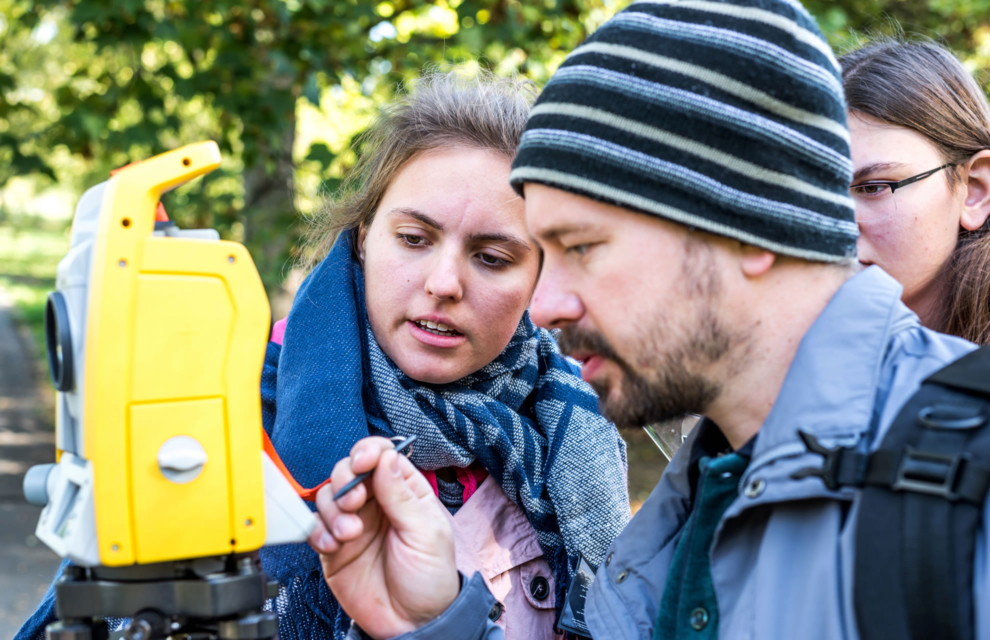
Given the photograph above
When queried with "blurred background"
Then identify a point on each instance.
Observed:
(284, 86)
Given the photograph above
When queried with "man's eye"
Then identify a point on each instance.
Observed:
(579, 249)
(412, 240)
(492, 261)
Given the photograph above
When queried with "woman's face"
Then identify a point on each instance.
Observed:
(913, 231)
(449, 266)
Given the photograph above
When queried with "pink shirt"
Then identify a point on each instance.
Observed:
(492, 536)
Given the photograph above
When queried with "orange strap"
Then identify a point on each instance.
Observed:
(305, 494)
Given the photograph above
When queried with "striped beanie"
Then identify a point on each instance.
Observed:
(725, 116)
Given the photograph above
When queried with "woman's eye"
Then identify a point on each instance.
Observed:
(415, 241)
(872, 190)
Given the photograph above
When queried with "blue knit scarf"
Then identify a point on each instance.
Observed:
(527, 417)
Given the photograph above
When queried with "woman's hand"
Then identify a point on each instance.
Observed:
(387, 548)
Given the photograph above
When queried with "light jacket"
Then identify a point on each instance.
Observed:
(493, 538)
(782, 557)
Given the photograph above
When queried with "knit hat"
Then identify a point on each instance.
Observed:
(728, 117)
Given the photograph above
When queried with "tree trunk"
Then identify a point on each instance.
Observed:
(270, 222)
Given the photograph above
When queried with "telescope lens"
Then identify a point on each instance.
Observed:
(58, 340)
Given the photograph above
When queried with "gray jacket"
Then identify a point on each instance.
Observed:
(782, 558)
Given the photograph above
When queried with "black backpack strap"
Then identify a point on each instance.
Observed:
(920, 507)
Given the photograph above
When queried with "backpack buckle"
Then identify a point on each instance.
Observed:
(840, 466)
(934, 474)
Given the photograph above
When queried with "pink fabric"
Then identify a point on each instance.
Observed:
(470, 478)
(278, 331)
(492, 536)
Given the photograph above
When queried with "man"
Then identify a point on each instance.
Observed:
(686, 174)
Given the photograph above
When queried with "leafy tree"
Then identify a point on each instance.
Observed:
(18, 152)
(159, 73)
(103, 83)
(956, 24)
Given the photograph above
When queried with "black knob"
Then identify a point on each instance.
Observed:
(58, 340)
(496, 612)
(539, 588)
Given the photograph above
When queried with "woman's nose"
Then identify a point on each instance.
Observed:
(444, 281)
(553, 306)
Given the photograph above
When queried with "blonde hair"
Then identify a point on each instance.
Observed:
(443, 108)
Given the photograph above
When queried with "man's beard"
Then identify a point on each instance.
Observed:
(673, 391)
(671, 385)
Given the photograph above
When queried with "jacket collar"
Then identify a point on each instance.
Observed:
(830, 387)
(830, 390)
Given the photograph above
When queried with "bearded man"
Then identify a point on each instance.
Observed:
(686, 174)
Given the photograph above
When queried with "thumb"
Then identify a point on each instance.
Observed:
(402, 492)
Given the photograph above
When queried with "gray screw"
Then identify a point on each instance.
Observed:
(137, 629)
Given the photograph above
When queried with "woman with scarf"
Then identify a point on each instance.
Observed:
(412, 321)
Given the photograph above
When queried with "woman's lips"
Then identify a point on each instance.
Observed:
(434, 340)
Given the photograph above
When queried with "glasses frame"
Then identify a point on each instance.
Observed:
(894, 186)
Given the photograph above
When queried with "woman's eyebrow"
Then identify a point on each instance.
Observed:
(501, 238)
(874, 168)
(418, 215)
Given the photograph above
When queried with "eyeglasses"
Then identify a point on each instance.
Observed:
(875, 188)
(872, 197)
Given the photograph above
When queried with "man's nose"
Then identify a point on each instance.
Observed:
(554, 306)
(444, 281)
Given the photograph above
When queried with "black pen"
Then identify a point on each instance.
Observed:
(361, 477)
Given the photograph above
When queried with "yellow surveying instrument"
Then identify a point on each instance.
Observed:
(161, 491)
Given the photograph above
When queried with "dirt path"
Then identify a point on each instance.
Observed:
(26, 438)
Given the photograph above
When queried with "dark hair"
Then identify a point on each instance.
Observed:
(443, 108)
(922, 86)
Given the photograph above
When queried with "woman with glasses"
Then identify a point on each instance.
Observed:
(920, 138)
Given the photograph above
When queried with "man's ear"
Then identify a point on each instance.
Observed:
(755, 261)
(976, 202)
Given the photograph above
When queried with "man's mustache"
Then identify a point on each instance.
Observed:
(573, 339)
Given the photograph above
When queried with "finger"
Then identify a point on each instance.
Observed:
(402, 491)
(321, 540)
(354, 499)
(338, 524)
(366, 451)
(363, 530)
(347, 527)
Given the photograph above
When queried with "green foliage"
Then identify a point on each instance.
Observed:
(953, 23)
(153, 74)
(18, 153)
(284, 85)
